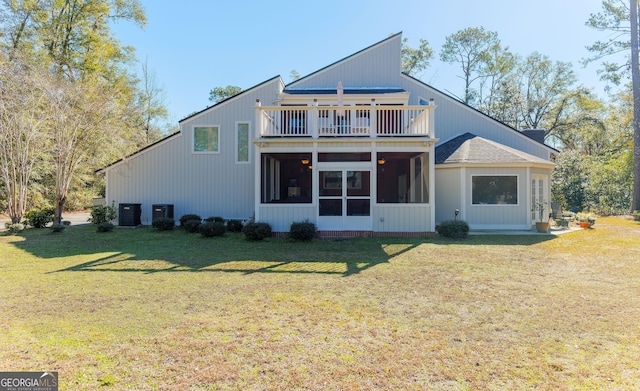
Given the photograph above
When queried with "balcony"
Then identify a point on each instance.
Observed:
(345, 121)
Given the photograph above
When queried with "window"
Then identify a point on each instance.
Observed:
(242, 142)
(403, 178)
(494, 190)
(206, 139)
(286, 178)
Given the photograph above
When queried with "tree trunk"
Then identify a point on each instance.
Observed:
(635, 76)
(57, 219)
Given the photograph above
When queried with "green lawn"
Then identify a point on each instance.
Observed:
(139, 309)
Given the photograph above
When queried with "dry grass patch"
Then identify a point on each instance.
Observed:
(139, 309)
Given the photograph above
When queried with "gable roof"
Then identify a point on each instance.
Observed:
(335, 65)
(139, 151)
(230, 98)
(171, 136)
(471, 149)
(507, 127)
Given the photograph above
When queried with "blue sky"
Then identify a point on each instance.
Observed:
(193, 46)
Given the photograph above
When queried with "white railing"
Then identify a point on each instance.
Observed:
(344, 121)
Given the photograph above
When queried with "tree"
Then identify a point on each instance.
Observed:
(88, 66)
(415, 61)
(83, 122)
(471, 48)
(22, 125)
(151, 105)
(615, 18)
(294, 75)
(635, 77)
(622, 20)
(218, 94)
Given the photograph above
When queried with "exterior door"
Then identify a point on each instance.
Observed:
(539, 202)
(344, 199)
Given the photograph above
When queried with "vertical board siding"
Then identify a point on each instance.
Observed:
(402, 218)
(204, 184)
(453, 118)
(379, 65)
(448, 197)
(495, 216)
(281, 217)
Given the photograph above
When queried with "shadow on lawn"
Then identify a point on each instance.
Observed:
(148, 251)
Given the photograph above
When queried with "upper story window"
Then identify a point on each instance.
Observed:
(206, 139)
(242, 142)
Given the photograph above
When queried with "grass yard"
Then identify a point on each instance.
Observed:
(137, 309)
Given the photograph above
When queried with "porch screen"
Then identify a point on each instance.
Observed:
(403, 177)
(286, 178)
(494, 189)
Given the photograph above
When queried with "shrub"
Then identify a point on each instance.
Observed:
(215, 219)
(103, 214)
(14, 228)
(234, 226)
(212, 229)
(192, 226)
(58, 227)
(188, 217)
(257, 231)
(636, 215)
(163, 223)
(66, 222)
(39, 218)
(302, 231)
(455, 229)
(105, 227)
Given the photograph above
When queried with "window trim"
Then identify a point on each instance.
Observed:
(517, 204)
(193, 140)
(237, 144)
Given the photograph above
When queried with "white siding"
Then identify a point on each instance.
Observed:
(448, 193)
(402, 218)
(376, 66)
(453, 118)
(205, 184)
(281, 217)
(497, 216)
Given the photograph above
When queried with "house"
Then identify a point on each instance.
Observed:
(357, 147)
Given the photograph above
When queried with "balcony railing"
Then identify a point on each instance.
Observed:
(344, 121)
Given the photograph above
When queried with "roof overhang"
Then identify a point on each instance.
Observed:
(357, 95)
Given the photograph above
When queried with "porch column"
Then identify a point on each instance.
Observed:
(259, 124)
(432, 118)
(257, 162)
(314, 119)
(373, 119)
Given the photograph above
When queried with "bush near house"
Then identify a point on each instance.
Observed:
(455, 229)
(211, 229)
(303, 231)
(257, 231)
(192, 226)
(188, 217)
(103, 214)
(163, 223)
(234, 226)
(215, 219)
